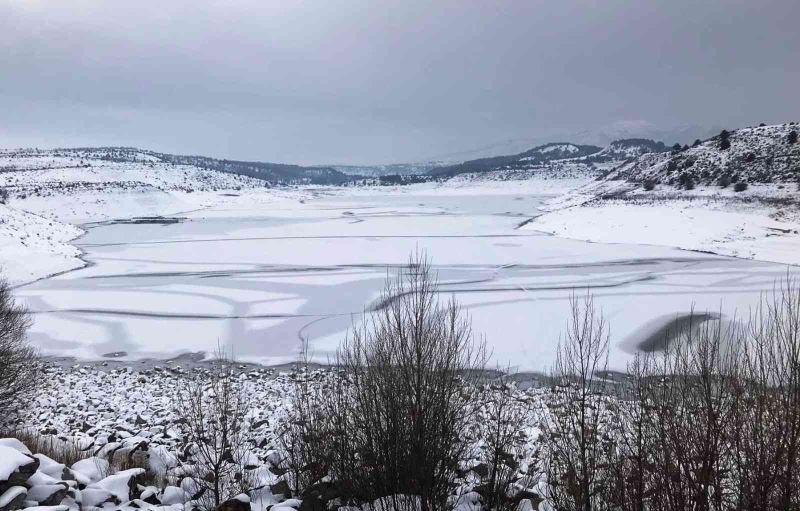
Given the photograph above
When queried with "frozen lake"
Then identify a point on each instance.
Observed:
(260, 276)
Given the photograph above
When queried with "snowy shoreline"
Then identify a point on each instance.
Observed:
(748, 226)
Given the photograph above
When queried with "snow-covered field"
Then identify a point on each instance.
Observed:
(261, 270)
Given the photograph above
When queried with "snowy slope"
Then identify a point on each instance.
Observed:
(689, 200)
(50, 190)
(529, 159)
(554, 161)
(26, 173)
(32, 246)
(761, 154)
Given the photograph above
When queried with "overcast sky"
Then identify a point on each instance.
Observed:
(376, 82)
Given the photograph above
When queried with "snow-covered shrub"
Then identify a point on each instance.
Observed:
(212, 408)
(397, 420)
(724, 140)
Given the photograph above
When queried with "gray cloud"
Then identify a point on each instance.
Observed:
(367, 81)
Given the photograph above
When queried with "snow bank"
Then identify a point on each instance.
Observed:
(733, 229)
(32, 247)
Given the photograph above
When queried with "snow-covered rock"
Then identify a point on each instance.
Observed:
(14, 444)
(12, 498)
(90, 470)
(121, 485)
(172, 495)
(15, 466)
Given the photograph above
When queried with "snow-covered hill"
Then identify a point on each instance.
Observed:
(33, 173)
(32, 246)
(734, 194)
(763, 154)
(532, 158)
(624, 150)
(561, 160)
(48, 194)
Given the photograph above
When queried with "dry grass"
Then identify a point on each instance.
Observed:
(52, 447)
(69, 453)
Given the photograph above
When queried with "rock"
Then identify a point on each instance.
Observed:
(234, 505)
(525, 505)
(150, 495)
(470, 501)
(48, 494)
(314, 503)
(13, 498)
(89, 470)
(51, 467)
(122, 485)
(173, 495)
(317, 496)
(15, 468)
(281, 488)
(481, 469)
(96, 497)
(527, 495)
(15, 444)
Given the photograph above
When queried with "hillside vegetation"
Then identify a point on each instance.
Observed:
(762, 154)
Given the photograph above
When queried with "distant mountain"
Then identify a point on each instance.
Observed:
(598, 136)
(394, 169)
(638, 129)
(559, 154)
(621, 150)
(762, 154)
(530, 158)
(276, 173)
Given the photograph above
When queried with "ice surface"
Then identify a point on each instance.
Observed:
(260, 276)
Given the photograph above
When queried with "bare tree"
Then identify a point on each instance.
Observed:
(694, 411)
(305, 435)
(19, 365)
(579, 421)
(632, 461)
(399, 420)
(508, 414)
(212, 407)
(767, 436)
